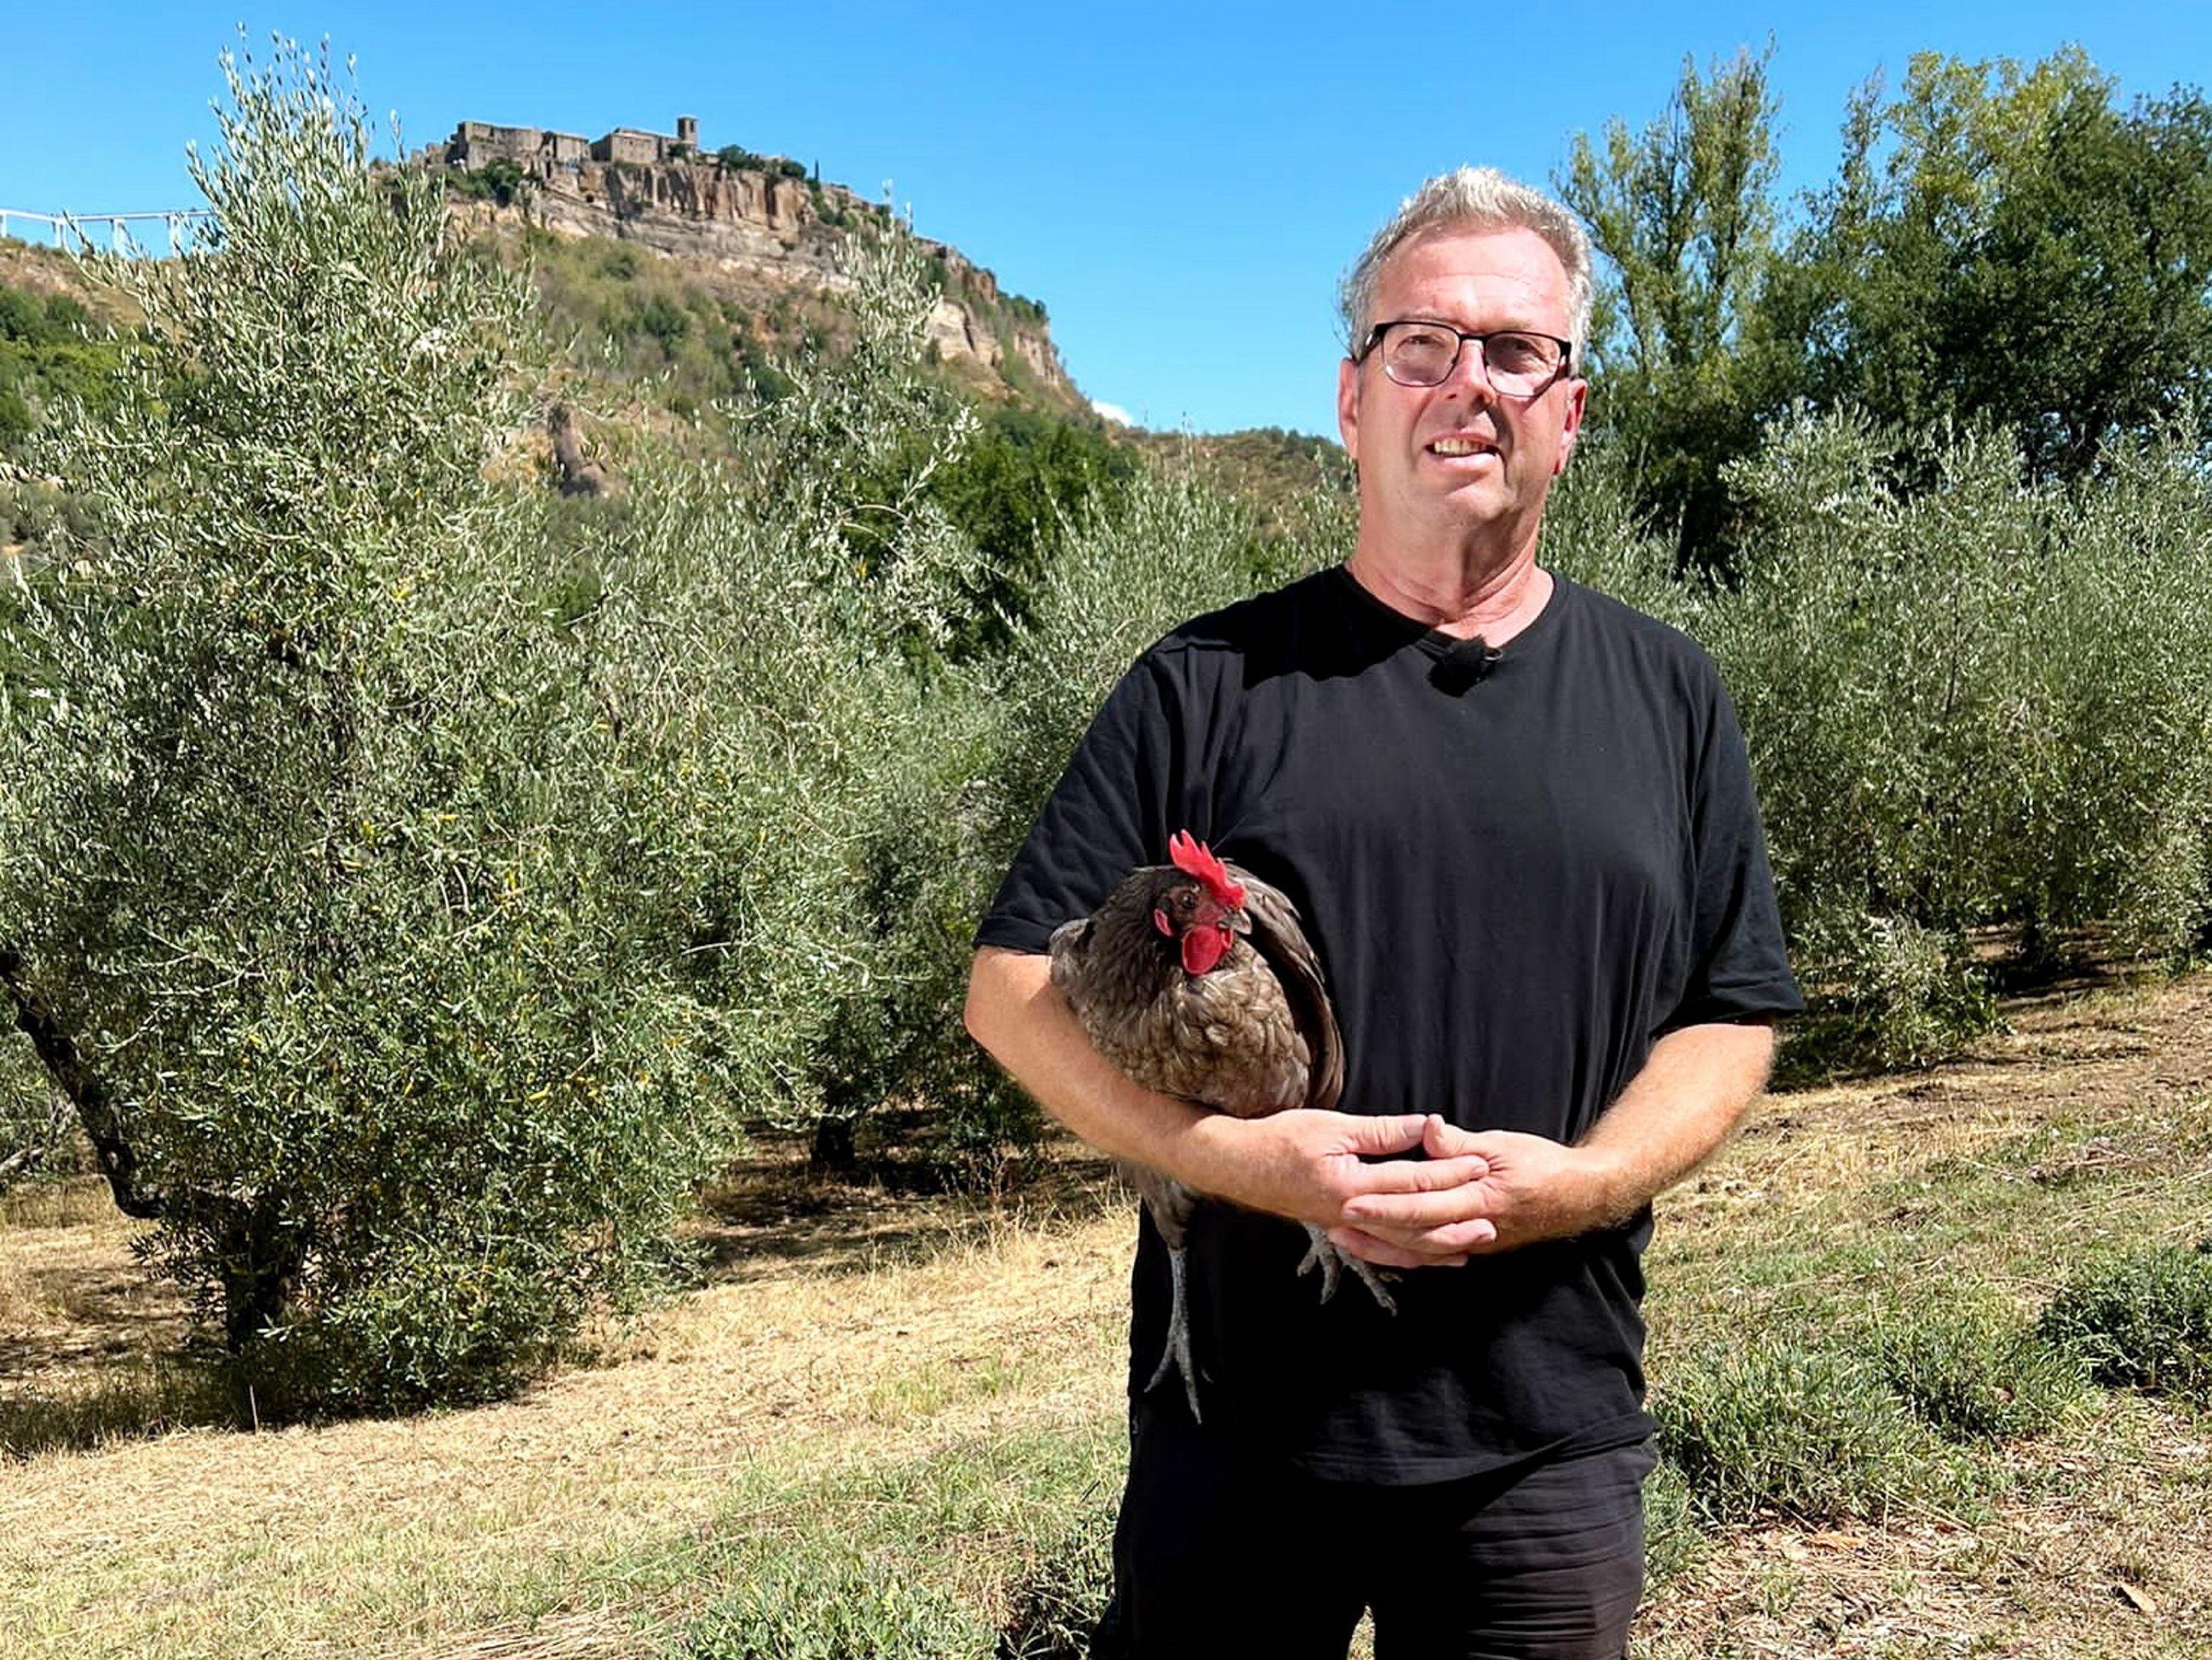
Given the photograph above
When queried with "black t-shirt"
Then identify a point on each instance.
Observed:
(1516, 887)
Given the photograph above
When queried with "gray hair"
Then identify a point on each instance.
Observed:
(1471, 198)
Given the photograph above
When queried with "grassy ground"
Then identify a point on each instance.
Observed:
(892, 1426)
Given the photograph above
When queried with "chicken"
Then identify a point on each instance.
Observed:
(1195, 979)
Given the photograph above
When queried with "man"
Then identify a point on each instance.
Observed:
(1518, 821)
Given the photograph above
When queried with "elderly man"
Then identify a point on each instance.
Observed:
(1517, 818)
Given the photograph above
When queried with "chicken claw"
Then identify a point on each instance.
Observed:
(1321, 1254)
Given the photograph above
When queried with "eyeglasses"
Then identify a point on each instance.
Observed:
(1516, 363)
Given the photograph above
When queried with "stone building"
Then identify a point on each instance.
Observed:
(557, 155)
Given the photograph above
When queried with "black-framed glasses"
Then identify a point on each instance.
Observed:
(1518, 363)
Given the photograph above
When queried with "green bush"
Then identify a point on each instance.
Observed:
(2141, 1321)
(1015, 491)
(1975, 1370)
(1979, 715)
(735, 158)
(52, 353)
(1771, 1428)
(666, 322)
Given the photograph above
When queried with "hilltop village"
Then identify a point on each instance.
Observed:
(764, 222)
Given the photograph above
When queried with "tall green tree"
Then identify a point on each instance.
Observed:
(2007, 245)
(1681, 215)
(328, 890)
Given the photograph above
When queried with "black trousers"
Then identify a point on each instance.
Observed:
(1218, 1555)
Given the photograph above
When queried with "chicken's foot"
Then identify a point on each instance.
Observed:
(1178, 1353)
(1322, 1254)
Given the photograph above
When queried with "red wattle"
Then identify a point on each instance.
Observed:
(1203, 948)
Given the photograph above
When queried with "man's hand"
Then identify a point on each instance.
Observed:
(1530, 1189)
(1312, 1166)
(1301, 1164)
(1692, 1089)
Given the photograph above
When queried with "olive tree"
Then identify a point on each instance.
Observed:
(332, 896)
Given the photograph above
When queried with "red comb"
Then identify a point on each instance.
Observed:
(1194, 858)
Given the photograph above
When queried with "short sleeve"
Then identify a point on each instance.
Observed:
(1103, 819)
(1739, 965)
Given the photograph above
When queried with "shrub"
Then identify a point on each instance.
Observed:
(1810, 1434)
(665, 321)
(52, 353)
(2141, 1321)
(1975, 1370)
(1015, 491)
(1913, 994)
(1935, 755)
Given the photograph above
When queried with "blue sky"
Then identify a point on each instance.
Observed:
(1181, 185)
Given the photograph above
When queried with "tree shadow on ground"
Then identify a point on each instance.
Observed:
(139, 1398)
(773, 1214)
(94, 1348)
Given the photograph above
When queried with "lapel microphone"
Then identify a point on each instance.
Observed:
(1466, 662)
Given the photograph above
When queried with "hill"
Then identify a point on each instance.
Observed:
(762, 234)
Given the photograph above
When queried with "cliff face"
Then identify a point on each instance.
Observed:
(775, 232)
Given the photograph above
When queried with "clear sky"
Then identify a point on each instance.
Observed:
(1182, 186)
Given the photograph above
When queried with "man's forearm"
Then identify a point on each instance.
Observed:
(1015, 1012)
(1681, 1104)
(1676, 1111)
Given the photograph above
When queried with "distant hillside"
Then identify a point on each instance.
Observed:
(46, 309)
(1266, 466)
(762, 233)
(652, 337)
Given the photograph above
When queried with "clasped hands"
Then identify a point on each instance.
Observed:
(1475, 1192)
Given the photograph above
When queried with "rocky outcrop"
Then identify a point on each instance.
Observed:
(741, 219)
(778, 232)
(579, 474)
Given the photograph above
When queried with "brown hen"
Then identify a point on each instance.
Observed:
(1195, 979)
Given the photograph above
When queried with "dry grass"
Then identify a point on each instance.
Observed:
(928, 1328)
(1897, 1189)
(866, 1364)
(2105, 1549)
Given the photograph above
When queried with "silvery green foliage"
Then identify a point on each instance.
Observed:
(1984, 704)
(1974, 1369)
(1980, 706)
(1593, 535)
(772, 622)
(2141, 1320)
(326, 844)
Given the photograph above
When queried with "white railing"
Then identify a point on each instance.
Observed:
(75, 232)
